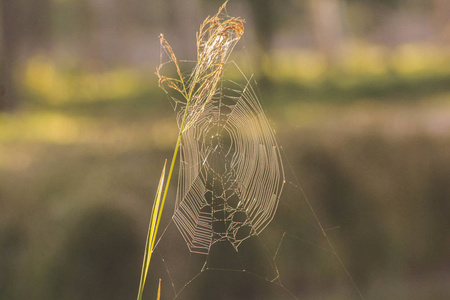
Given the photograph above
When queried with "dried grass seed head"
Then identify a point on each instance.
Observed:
(216, 39)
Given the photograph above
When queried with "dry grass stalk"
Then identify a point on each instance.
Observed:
(216, 39)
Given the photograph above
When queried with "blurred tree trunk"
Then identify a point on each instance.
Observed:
(264, 16)
(105, 18)
(181, 30)
(327, 28)
(10, 16)
(86, 30)
(39, 24)
(441, 16)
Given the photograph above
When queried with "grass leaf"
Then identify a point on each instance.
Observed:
(151, 235)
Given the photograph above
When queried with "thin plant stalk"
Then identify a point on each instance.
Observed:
(157, 213)
(172, 165)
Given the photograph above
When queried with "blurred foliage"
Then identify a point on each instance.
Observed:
(364, 59)
(45, 81)
(366, 68)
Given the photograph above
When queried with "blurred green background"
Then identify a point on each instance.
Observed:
(358, 91)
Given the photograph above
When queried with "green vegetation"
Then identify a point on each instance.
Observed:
(153, 226)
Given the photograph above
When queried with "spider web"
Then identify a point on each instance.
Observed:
(242, 227)
(231, 176)
(240, 218)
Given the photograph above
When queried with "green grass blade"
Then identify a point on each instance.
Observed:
(151, 234)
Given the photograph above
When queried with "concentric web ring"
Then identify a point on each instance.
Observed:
(231, 176)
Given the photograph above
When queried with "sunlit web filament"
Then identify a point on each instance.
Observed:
(231, 175)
